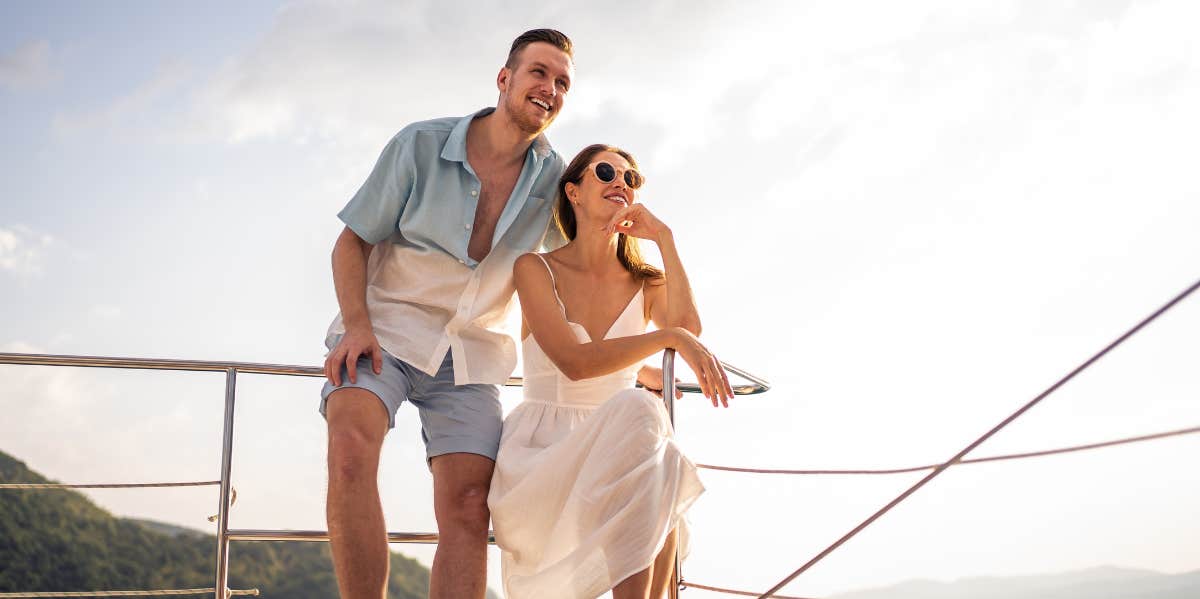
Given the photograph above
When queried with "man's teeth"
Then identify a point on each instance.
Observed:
(541, 103)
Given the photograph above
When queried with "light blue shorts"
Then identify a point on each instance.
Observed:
(454, 418)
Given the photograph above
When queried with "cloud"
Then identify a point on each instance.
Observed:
(22, 250)
(325, 73)
(27, 66)
(105, 312)
(133, 110)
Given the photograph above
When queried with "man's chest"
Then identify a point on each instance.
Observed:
(496, 186)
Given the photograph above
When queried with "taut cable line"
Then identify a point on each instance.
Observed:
(691, 585)
(995, 458)
(958, 456)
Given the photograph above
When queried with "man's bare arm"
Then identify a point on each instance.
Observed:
(350, 254)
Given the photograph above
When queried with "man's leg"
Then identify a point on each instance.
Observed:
(357, 423)
(460, 488)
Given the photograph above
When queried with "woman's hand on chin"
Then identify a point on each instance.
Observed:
(637, 221)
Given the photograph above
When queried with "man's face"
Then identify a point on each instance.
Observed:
(533, 91)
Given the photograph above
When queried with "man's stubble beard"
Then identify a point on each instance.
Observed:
(527, 124)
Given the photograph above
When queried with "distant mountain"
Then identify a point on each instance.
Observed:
(58, 540)
(1095, 583)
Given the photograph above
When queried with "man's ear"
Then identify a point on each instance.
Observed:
(502, 79)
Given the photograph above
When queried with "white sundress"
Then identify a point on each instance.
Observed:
(588, 480)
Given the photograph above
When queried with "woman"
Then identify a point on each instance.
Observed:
(589, 489)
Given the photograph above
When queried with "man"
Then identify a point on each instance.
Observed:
(423, 273)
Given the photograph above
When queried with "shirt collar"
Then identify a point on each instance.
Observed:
(456, 145)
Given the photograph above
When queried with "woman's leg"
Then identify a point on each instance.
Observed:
(663, 568)
(634, 587)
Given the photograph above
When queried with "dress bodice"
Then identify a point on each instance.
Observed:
(545, 383)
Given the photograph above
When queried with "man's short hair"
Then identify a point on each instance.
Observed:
(553, 37)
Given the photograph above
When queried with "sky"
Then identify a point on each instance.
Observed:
(910, 217)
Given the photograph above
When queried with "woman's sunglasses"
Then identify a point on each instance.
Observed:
(607, 173)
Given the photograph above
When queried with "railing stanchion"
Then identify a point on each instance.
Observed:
(221, 590)
(668, 388)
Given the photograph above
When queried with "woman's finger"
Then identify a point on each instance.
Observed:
(716, 378)
(718, 387)
(720, 382)
(618, 217)
(725, 379)
(706, 379)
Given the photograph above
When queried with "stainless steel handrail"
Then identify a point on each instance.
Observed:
(231, 370)
(251, 534)
(757, 385)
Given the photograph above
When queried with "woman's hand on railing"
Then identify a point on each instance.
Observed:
(714, 383)
(651, 377)
(357, 341)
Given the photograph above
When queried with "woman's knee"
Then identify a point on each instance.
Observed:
(637, 401)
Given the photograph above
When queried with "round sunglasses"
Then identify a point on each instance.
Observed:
(607, 173)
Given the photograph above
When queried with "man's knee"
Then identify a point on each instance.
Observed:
(357, 424)
(465, 510)
(461, 482)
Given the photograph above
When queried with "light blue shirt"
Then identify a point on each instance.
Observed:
(425, 295)
(424, 188)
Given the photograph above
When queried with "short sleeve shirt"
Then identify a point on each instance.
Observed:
(425, 295)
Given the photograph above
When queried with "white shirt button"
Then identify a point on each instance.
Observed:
(474, 192)
(462, 261)
(467, 227)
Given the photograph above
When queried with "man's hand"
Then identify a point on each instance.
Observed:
(652, 379)
(358, 341)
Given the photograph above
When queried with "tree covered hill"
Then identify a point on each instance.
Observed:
(58, 540)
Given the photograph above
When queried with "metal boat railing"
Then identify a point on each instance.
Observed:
(225, 535)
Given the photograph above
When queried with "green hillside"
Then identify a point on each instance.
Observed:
(60, 541)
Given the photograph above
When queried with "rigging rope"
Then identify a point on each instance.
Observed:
(687, 584)
(977, 442)
(996, 458)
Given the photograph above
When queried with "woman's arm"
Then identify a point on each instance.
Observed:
(670, 299)
(672, 304)
(549, 327)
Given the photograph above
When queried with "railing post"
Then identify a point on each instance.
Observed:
(668, 387)
(222, 584)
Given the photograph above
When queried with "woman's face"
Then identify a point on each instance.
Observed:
(596, 201)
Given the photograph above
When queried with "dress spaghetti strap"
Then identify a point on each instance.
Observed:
(553, 284)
